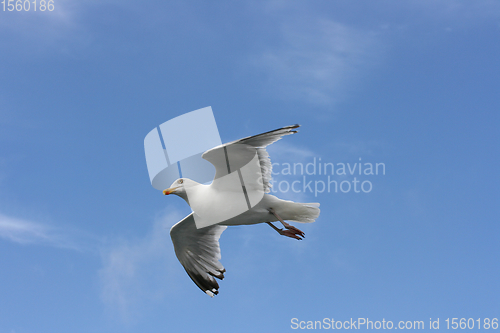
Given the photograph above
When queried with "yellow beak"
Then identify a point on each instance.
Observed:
(169, 190)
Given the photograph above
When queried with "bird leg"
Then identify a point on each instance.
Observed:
(290, 231)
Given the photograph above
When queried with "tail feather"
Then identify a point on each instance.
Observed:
(303, 212)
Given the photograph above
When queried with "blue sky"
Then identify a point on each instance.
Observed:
(84, 244)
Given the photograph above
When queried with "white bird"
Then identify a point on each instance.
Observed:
(198, 248)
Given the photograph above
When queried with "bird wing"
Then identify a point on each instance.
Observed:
(199, 253)
(234, 155)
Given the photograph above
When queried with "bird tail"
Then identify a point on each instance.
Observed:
(304, 212)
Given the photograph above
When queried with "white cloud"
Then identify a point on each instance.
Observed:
(469, 11)
(23, 232)
(39, 23)
(63, 30)
(317, 60)
(284, 152)
(28, 232)
(133, 271)
(138, 270)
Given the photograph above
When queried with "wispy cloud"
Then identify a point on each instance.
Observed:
(62, 30)
(66, 27)
(26, 232)
(137, 270)
(317, 60)
(464, 11)
(133, 271)
(44, 21)
(23, 232)
(283, 152)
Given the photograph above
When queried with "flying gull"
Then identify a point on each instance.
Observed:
(236, 196)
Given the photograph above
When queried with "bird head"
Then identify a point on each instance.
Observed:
(176, 188)
(179, 187)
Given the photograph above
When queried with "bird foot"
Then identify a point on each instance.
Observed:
(292, 233)
(292, 228)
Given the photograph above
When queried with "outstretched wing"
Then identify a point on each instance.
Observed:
(234, 155)
(199, 252)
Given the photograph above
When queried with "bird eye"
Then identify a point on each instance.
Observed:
(181, 181)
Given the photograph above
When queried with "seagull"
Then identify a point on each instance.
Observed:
(197, 248)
